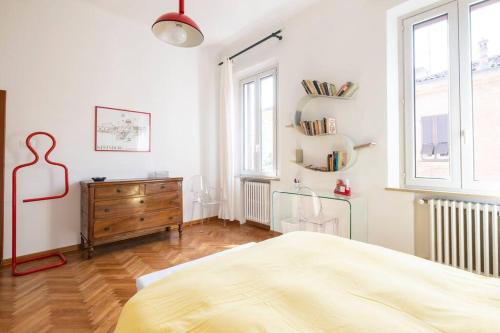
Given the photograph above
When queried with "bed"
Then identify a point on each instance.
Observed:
(311, 282)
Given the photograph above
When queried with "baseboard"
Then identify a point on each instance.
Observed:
(213, 218)
(200, 221)
(258, 225)
(72, 248)
(65, 249)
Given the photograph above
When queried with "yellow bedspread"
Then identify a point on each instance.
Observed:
(309, 282)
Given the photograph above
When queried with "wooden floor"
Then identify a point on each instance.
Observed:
(87, 295)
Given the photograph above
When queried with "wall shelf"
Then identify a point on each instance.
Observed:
(299, 129)
(333, 97)
(352, 153)
(347, 145)
(343, 143)
(328, 89)
(312, 168)
(306, 99)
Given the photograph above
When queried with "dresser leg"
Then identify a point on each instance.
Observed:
(180, 230)
(82, 243)
(90, 251)
(84, 247)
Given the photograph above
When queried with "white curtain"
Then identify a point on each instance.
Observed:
(226, 142)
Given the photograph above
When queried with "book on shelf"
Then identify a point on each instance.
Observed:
(319, 127)
(352, 90)
(331, 126)
(336, 161)
(333, 89)
(306, 87)
(311, 87)
(322, 89)
(326, 88)
(317, 87)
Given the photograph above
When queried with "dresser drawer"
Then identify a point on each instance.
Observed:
(131, 206)
(164, 200)
(116, 226)
(154, 188)
(116, 191)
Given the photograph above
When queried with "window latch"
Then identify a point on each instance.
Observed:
(463, 133)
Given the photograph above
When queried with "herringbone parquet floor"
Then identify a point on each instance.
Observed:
(87, 295)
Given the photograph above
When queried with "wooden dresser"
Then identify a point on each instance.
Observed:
(117, 210)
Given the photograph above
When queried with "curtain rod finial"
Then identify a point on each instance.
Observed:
(276, 34)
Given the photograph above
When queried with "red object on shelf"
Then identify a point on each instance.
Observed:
(343, 188)
(15, 261)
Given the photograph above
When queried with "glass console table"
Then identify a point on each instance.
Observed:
(346, 215)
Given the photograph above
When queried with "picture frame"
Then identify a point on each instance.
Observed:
(121, 130)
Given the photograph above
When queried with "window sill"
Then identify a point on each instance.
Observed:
(476, 194)
(258, 177)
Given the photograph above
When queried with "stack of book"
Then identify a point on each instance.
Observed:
(336, 161)
(314, 87)
(319, 88)
(319, 127)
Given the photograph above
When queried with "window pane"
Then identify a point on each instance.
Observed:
(431, 77)
(485, 51)
(267, 102)
(250, 125)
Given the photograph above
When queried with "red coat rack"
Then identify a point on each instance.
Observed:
(15, 261)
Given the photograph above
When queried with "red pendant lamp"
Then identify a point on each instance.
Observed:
(178, 29)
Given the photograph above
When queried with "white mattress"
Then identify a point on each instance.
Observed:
(146, 280)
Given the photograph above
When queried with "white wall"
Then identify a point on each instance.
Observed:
(340, 41)
(58, 60)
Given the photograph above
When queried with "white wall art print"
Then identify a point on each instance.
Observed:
(122, 130)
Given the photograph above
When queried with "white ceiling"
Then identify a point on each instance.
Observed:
(219, 20)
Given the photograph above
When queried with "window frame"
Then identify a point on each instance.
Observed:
(411, 179)
(257, 77)
(461, 113)
(467, 112)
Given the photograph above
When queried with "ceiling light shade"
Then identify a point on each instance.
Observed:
(178, 29)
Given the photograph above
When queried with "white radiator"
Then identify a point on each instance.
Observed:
(465, 235)
(257, 202)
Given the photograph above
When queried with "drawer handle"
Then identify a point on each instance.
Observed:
(107, 229)
(171, 218)
(142, 201)
(106, 210)
(118, 190)
(141, 219)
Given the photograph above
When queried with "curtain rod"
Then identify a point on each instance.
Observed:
(276, 34)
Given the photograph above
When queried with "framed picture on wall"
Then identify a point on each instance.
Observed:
(122, 130)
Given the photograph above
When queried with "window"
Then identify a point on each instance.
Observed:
(452, 96)
(259, 113)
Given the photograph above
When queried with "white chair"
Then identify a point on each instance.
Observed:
(202, 195)
(310, 215)
(310, 211)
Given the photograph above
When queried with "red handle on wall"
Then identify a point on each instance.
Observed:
(15, 262)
